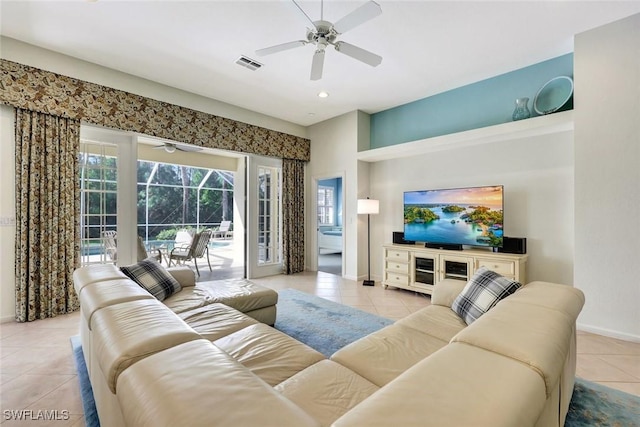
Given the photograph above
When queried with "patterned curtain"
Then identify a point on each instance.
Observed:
(47, 214)
(293, 215)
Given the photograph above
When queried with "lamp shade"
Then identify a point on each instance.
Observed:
(368, 206)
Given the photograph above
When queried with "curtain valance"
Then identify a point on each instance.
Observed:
(30, 88)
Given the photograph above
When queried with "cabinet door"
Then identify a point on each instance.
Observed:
(424, 270)
(454, 267)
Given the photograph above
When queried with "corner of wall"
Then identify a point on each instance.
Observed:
(7, 213)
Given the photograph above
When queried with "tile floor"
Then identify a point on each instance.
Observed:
(37, 371)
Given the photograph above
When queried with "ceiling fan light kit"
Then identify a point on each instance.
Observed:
(324, 33)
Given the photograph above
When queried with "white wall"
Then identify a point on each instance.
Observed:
(7, 211)
(537, 174)
(334, 145)
(607, 177)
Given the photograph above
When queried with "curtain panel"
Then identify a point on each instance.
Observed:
(34, 89)
(293, 216)
(47, 214)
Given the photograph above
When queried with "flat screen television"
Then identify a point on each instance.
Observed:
(459, 216)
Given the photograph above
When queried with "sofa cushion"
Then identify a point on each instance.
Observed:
(153, 277)
(241, 294)
(383, 355)
(125, 333)
(215, 321)
(269, 353)
(98, 295)
(549, 330)
(435, 320)
(446, 291)
(326, 390)
(183, 274)
(483, 291)
(88, 274)
(196, 384)
(459, 385)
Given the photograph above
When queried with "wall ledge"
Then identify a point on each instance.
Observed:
(536, 126)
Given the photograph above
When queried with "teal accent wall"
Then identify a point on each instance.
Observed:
(485, 103)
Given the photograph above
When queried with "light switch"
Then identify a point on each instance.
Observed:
(7, 221)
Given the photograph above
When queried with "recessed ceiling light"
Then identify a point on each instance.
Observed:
(323, 94)
(311, 114)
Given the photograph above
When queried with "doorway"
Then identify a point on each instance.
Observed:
(330, 241)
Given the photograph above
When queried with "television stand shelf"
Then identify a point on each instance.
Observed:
(417, 268)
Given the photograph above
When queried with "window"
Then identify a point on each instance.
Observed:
(177, 196)
(268, 218)
(98, 202)
(169, 197)
(326, 205)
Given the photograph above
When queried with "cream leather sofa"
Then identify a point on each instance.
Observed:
(212, 365)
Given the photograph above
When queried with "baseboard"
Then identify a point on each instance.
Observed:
(7, 319)
(608, 332)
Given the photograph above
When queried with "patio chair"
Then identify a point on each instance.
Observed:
(223, 230)
(110, 244)
(183, 237)
(143, 254)
(198, 247)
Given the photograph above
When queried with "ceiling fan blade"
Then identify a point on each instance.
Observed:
(358, 53)
(187, 147)
(359, 16)
(317, 64)
(280, 47)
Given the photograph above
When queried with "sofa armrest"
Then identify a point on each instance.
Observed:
(446, 291)
(184, 275)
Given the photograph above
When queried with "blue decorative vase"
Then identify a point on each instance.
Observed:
(522, 110)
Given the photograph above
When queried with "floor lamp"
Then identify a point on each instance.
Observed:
(368, 207)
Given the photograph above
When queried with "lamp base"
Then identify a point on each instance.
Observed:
(369, 283)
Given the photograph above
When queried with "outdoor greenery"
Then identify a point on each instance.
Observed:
(169, 197)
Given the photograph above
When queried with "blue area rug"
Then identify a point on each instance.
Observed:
(328, 326)
(322, 324)
(86, 392)
(596, 405)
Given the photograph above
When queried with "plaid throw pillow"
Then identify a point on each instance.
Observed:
(150, 275)
(482, 292)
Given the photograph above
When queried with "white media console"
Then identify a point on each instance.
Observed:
(417, 268)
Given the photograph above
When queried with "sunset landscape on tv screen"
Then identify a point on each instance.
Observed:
(466, 216)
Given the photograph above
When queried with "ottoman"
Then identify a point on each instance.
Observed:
(245, 296)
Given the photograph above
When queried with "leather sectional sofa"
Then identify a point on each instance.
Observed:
(205, 363)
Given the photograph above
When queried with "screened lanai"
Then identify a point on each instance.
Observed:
(170, 197)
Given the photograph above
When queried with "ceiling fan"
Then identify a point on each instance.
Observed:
(171, 147)
(324, 33)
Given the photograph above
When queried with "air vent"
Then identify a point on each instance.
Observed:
(248, 63)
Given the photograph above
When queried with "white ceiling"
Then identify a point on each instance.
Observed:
(427, 46)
